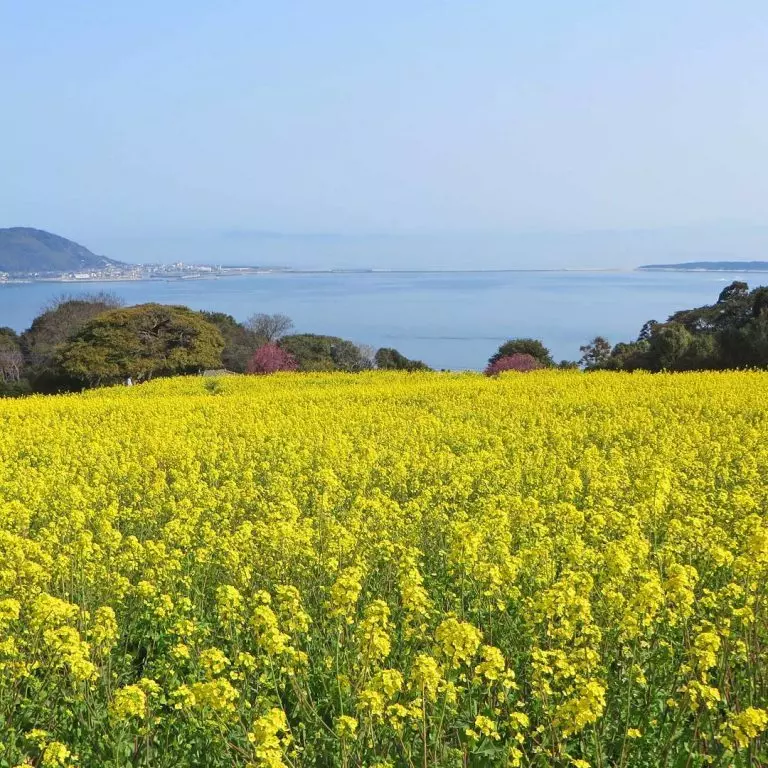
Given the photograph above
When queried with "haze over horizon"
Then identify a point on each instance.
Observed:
(425, 135)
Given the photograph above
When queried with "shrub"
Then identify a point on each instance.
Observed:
(519, 362)
(269, 358)
(532, 347)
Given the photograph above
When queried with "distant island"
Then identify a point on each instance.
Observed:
(709, 266)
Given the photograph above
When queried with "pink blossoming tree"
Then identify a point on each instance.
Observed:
(269, 358)
(519, 362)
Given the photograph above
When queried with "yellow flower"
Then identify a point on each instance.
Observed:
(217, 696)
(459, 640)
(398, 545)
(271, 738)
(345, 593)
(390, 681)
(213, 661)
(425, 676)
(346, 727)
(487, 727)
(492, 665)
(128, 702)
(371, 702)
(104, 630)
(229, 603)
(9, 609)
(180, 651)
(55, 754)
(372, 632)
(742, 727)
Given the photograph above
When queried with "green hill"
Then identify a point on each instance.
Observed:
(25, 250)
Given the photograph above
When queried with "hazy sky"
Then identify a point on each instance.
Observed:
(135, 127)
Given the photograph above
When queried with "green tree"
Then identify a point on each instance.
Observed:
(630, 356)
(731, 333)
(736, 291)
(142, 342)
(239, 342)
(732, 310)
(60, 320)
(532, 347)
(315, 352)
(759, 301)
(595, 354)
(668, 345)
(647, 330)
(746, 347)
(389, 359)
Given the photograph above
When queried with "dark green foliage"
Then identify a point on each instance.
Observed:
(731, 333)
(532, 347)
(142, 342)
(239, 342)
(389, 359)
(647, 330)
(668, 343)
(630, 356)
(15, 388)
(759, 301)
(595, 354)
(314, 352)
(736, 291)
(59, 322)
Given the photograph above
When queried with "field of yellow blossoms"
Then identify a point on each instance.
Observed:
(551, 569)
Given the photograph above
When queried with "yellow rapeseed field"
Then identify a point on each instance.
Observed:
(551, 569)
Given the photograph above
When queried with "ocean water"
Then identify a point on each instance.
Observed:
(448, 319)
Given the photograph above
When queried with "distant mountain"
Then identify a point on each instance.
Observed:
(711, 266)
(24, 250)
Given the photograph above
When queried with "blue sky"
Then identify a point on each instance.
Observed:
(163, 128)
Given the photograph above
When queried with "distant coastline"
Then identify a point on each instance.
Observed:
(215, 273)
(178, 272)
(708, 266)
(133, 273)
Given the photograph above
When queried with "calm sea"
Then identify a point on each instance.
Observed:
(448, 319)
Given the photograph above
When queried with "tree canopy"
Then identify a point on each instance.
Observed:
(390, 359)
(142, 342)
(731, 333)
(269, 328)
(60, 321)
(240, 342)
(532, 347)
(520, 362)
(269, 358)
(595, 354)
(315, 352)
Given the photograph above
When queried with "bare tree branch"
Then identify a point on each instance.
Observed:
(269, 327)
